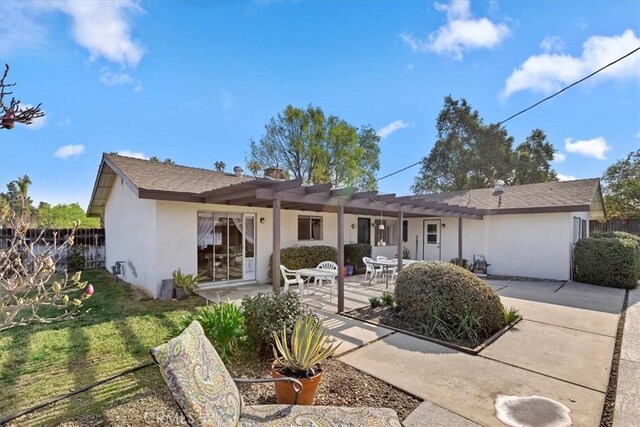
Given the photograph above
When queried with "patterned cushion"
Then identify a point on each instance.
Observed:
(317, 416)
(198, 380)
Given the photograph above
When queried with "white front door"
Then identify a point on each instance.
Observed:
(431, 242)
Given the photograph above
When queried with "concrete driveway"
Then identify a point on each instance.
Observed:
(562, 351)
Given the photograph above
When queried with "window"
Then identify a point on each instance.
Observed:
(584, 229)
(405, 231)
(577, 229)
(388, 235)
(309, 228)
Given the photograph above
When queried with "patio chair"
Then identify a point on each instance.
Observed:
(371, 269)
(208, 396)
(317, 281)
(291, 277)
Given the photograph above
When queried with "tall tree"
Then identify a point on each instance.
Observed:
(64, 216)
(318, 149)
(622, 187)
(469, 154)
(533, 160)
(253, 167)
(17, 197)
(12, 112)
(219, 166)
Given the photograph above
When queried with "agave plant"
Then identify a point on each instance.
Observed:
(308, 348)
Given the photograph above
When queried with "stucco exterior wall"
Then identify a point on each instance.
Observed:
(130, 229)
(532, 245)
(157, 237)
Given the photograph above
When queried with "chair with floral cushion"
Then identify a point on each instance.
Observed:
(208, 396)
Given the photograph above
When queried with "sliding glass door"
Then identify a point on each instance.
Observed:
(226, 243)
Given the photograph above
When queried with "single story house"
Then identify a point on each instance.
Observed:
(160, 217)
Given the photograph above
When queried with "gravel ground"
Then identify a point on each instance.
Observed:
(341, 385)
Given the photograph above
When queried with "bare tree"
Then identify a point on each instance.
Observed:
(12, 112)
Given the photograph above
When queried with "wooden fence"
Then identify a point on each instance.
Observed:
(626, 225)
(91, 240)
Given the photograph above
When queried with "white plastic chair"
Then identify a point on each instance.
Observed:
(327, 265)
(370, 269)
(291, 277)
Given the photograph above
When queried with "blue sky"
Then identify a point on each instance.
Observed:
(195, 81)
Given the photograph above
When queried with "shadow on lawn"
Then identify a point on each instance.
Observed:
(18, 355)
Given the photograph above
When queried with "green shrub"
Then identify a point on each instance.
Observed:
(265, 314)
(223, 324)
(75, 259)
(616, 235)
(297, 257)
(511, 315)
(448, 302)
(465, 262)
(606, 261)
(387, 298)
(375, 302)
(353, 254)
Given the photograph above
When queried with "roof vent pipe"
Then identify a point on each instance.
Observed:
(238, 170)
(499, 186)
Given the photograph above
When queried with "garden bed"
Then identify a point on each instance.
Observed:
(389, 317)
(341, 385)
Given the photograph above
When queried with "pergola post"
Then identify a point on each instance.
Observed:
(399, 236)
(340, 258)
(275, 257)
(460, 241)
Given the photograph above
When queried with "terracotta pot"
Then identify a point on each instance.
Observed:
(285, 394)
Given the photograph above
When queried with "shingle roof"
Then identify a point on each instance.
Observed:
(543, 195)
(161, 181)
(148, 175)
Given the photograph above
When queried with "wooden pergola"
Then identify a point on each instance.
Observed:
(292, 194)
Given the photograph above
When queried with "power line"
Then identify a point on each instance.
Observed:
(530, 107)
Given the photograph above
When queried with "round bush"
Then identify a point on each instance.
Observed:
(448, 301)
(606, 261)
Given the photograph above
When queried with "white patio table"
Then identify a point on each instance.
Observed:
(320, 273)
(386, 265)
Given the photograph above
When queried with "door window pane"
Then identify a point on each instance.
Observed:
(432, 228)
(221, 247)
(432, 238)
(249, 237)
(235, 246)
(205, 245)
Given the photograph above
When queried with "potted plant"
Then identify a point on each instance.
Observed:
(184, 284)
(301, 359)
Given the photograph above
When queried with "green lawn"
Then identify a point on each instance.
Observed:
(39, 362)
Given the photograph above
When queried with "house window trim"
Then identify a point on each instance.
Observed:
(311, 218)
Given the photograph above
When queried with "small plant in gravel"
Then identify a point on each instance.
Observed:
(265, 314)
(511, 315)
(448, 302)
(375, 302)
(388, 299)
(223, 324)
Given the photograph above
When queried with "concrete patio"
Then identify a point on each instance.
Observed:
(562, 351)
